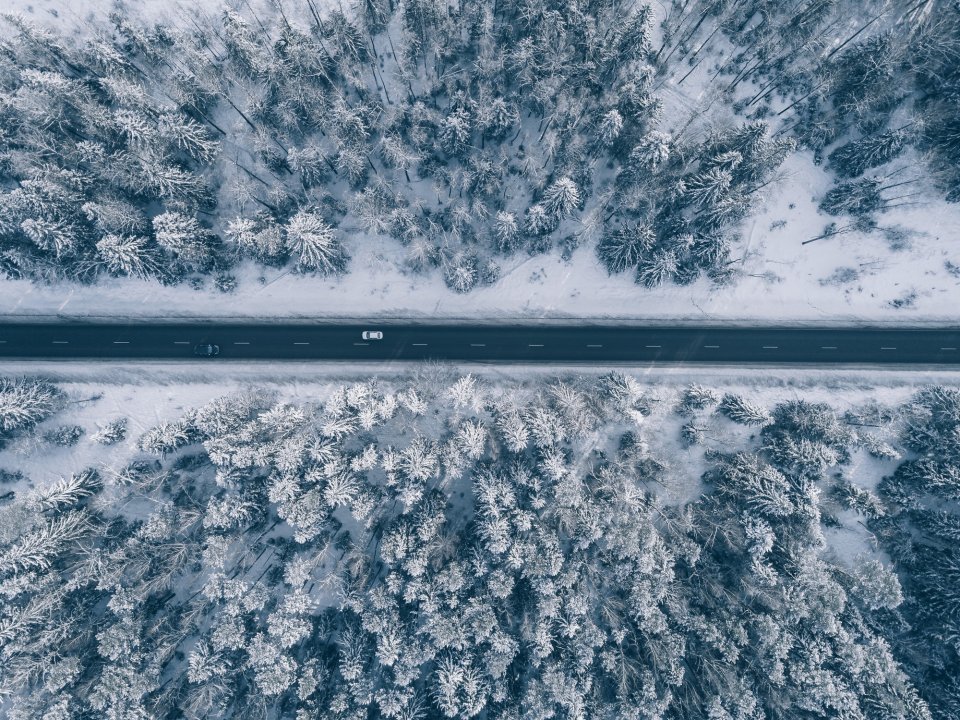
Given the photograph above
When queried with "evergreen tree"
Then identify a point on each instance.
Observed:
(313, 243)
(854, 158)
(626, 247)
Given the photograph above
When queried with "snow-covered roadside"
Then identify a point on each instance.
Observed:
(851, 278)
(148, 394)
(152, 392)
(898, 274)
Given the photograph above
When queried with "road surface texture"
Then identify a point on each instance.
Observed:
(489, 343)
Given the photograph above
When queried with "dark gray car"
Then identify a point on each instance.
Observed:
(206, 350)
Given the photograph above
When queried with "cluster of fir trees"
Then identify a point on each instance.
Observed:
(466, 133)
(857, 84)
(916, 516)
(265, 559)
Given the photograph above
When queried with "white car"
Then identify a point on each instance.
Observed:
(372, 335)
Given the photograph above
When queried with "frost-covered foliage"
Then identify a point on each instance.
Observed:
(920, 528)
(466, 132)
(444, 548)
(24, 402)
(869, 87)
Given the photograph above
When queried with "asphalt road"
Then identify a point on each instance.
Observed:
(489, 343)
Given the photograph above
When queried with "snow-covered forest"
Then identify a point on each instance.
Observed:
(467, 132)
(437, 545)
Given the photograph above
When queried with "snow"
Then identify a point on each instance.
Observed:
(781, 280)
(81, 17)
(897, 274)
(151, 393)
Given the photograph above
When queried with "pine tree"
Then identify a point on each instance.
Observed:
(539, 221)
(36, 550)
(461, 272)
(313, 243)
(68, 492)
(129, 255)
(708, 188)
(875, 585)
(858, 156)
(64, 435)
(651, 152)
(113, 216)
(53, 236)
(454, 132)
(609, 128)
(697, 397)
(740, 411)
(183, 237)
(506, 233)
(113, 432)
(625, 247)
(167, 437)
(656, 269)
(24, 402)
(562, 198)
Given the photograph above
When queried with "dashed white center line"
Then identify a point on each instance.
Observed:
(770, 347)
(361, 343)
(948, 348)
(121, 342)
(533, 345)
(3, 342)
(241, 343)
(828, 347)
(477, 345)
(594, 345)
(181, 342)
(301, 343)
(652, 346)
(888, 348)
(61, 342)
(711, 347)
(419, 344)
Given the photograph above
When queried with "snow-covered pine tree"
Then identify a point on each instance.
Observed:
(25, 401)
(656, 269)
(113, 432)
(625, 247)
(856, 157)
(184, 238)
(129, 255)
(314, 245)
(562, 198)
(68, 492)
(741, 411)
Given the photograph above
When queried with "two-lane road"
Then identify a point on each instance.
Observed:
(482, 343)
